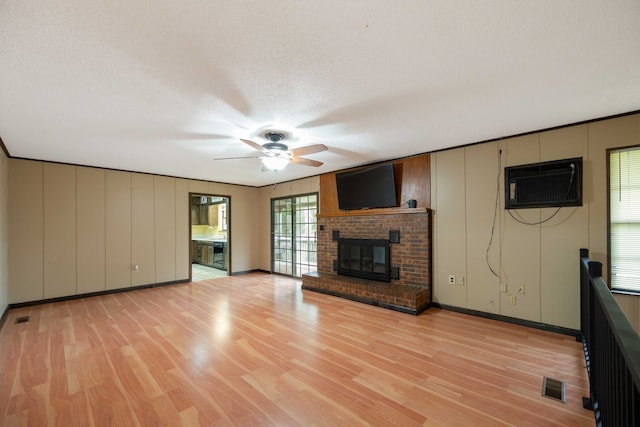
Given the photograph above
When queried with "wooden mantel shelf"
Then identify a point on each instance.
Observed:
(367, 212)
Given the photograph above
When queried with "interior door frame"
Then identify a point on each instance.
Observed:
(198, 193)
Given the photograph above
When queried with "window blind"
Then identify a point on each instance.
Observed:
(624, 214)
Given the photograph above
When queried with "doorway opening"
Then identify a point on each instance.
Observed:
(294, 235)
(210, 236)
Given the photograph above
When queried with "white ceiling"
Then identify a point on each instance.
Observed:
(166, 86)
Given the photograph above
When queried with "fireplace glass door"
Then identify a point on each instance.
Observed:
(294, 237)
(365, 258)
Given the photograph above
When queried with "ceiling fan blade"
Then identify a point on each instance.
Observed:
(309, 149)
(235, 158)
(306, 162)
(254, 145)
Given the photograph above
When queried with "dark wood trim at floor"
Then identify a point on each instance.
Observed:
(94, 294)
(515, 321)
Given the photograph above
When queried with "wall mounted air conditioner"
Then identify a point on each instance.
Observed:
(541, 185)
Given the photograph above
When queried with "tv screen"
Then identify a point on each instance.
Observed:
(372, 187)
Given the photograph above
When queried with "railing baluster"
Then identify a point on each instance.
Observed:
(612, 351)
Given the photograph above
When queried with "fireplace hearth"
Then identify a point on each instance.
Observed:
(364, 258)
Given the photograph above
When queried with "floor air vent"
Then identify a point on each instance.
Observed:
(23, 319)
(554, 389)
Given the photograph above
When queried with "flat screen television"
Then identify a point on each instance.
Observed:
(367, 188)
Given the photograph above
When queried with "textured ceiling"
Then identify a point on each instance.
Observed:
(167, 86)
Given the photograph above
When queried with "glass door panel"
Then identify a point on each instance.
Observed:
(294, 237)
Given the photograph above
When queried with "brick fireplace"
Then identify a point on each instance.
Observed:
(410, 287)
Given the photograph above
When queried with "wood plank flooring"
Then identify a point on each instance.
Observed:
(255, 350)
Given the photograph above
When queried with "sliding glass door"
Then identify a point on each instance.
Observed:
(294, 237)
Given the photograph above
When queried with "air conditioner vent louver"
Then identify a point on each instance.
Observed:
(548, 184)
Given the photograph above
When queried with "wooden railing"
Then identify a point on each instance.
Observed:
(611, 349)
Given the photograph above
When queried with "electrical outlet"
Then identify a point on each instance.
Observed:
(503, 287)
(452, 279)
(460, 280)
(512, 299)
(521, 289)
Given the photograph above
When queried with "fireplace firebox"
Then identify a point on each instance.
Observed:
(364, 258)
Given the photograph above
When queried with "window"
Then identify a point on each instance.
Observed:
(624, 219)
(222, 216)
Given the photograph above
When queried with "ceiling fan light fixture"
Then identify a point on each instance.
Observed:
(275, 163)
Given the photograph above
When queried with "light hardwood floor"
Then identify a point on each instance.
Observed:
(255, 350)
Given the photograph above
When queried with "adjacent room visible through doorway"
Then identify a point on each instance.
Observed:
(210, 236)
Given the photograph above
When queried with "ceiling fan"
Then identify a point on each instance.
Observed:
(277, 155)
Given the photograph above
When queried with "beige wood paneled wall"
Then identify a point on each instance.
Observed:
(59, 230)
(26, 231)
(143, 247)
(542, 258)
(449, 237)
(478, 215)
(165, 212)
(91, 229)
(118, 230)
(75, 230)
